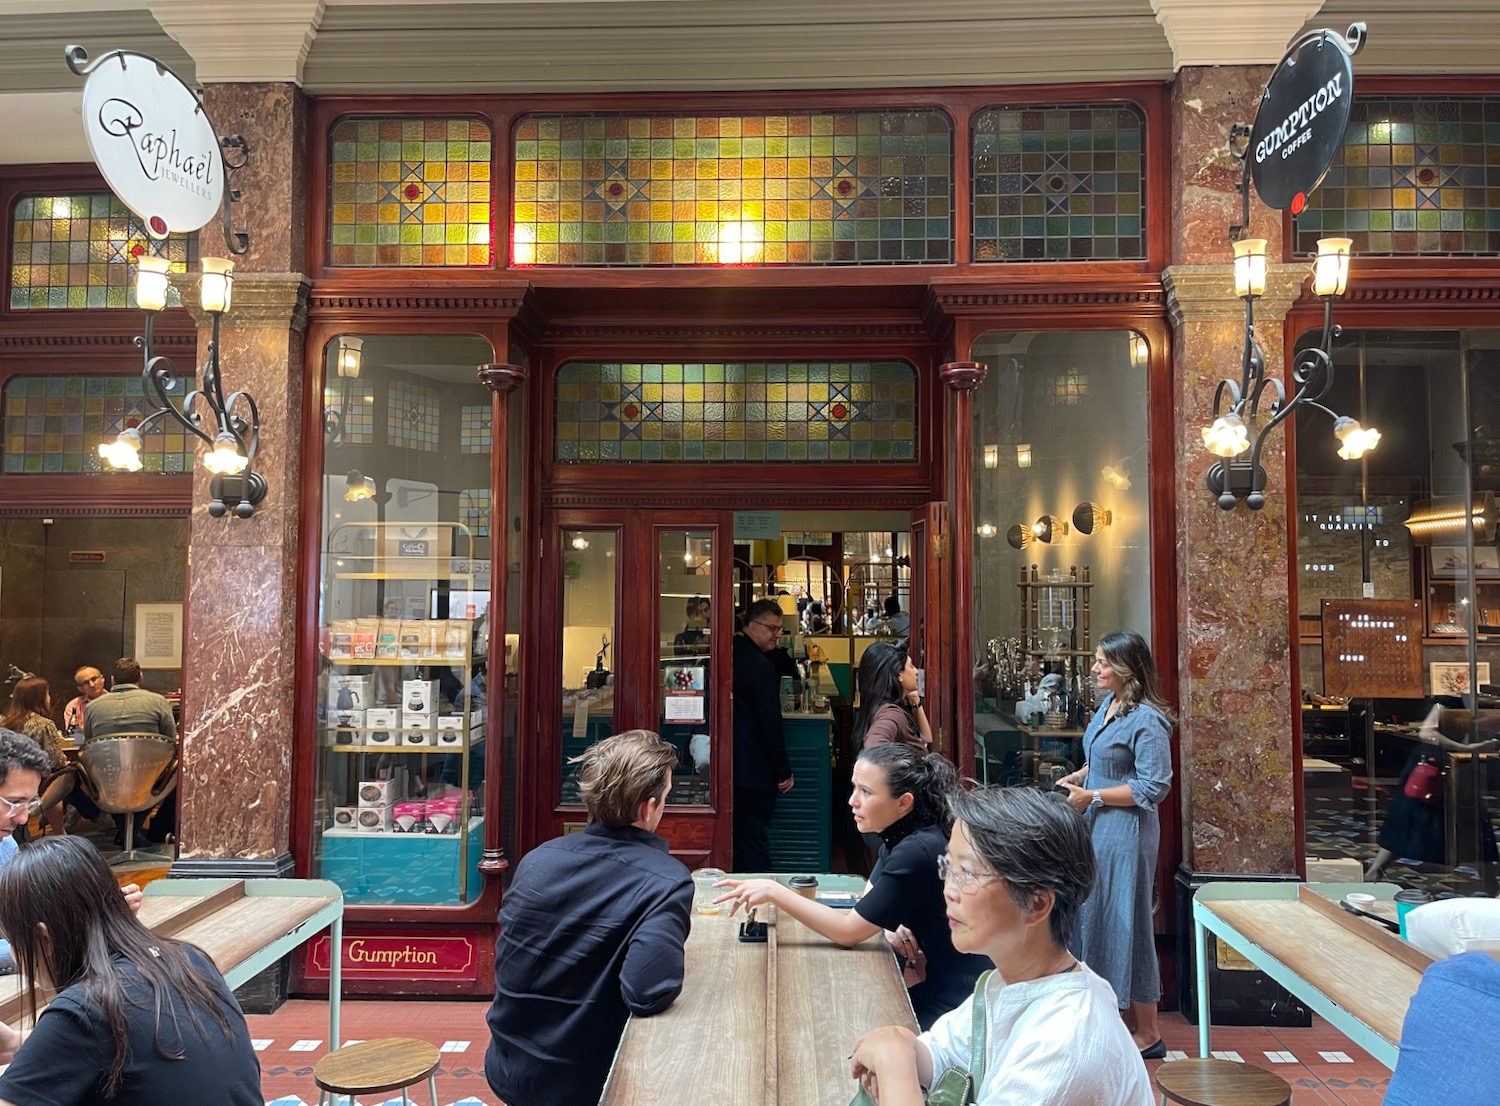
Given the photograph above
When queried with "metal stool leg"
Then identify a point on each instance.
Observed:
(432, 1086)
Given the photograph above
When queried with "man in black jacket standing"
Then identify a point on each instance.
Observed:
(591, 931)
(761, 770)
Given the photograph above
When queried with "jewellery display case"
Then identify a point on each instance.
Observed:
(401, 715)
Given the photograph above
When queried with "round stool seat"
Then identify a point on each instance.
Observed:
(1221, 1083)
(369, 1067)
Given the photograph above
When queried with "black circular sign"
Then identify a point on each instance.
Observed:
(1301, 120)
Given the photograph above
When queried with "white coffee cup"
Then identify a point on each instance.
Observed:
(1360, 899)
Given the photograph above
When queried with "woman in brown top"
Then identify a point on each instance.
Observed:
(890, 709)
(30, 714)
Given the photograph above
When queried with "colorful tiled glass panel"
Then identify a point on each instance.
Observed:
(758, 411)
(54, 424)
(474, 510)
(412, 418)
(1416, 175)
(1062, 183)
(474, 428)
(410, 192)
(824, 188)
(358, 410)
(75, 251)
(1069, 389)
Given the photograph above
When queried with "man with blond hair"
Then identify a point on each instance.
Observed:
(591, 931)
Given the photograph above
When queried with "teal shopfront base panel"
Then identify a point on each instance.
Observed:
(402, 869)
(802, 829)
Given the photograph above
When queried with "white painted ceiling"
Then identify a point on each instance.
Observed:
(602, 46)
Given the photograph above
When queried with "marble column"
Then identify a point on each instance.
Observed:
(240, 643)
(1234, 648)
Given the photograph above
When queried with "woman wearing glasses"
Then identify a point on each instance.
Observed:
(31, 714)
(1018, 867)
(901, 794)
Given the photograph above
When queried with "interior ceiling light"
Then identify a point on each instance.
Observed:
(1049, 528)
(1088, 517)
(1117, 475)
(1019, 536)
(1446, 519)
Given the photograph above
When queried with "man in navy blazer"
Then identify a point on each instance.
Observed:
(761, 769)
(591, 931)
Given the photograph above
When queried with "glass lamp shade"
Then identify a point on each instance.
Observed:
(124, 453)
(1023, 455)
(986, 530)
(1331, 269)
(1140, 352)
(217, 287)
(1355, 440)
(1019, 537)
(1250, 268)
(350, 356)
(359, 487)
(225, 458)
(1117, 475)
(151, 283)
(1227, 437)
(991, 456)
(1049, 528)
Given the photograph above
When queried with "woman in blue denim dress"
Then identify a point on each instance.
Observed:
(1127, 772)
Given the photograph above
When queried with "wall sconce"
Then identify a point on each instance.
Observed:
(1140, 352)
(1023, 456)
(1019, 537)
(991, 456)
(1088, 517)
(351, 354)
(1117, 475)
(1048, 528)
(232, 438)
(1446, 519)
(986, 530)
(359, 487)
(1236, 425)
(580, 542)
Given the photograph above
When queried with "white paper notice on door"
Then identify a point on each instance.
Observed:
(581, 716)
(684, 707)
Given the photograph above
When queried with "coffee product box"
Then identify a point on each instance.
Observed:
(456, 634)
(410, 639)
(373, 819)
(347, 691)
(347, 727)
(345, 818)
(388, 639)
(378, 793)
(450, 730)
(381, 724)
(416, 731)
(419, 696)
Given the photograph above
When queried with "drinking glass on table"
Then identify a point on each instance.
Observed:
(703, 890)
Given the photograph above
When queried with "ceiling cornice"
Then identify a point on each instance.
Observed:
(267, 40)
(1212, 32)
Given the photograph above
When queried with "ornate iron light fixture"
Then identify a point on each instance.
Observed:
(1306, 120)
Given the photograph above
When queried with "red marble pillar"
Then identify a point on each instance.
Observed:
(1236, 775)
(242, 617)
(962, 379)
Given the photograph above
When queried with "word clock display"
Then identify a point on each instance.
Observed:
(1372, 648)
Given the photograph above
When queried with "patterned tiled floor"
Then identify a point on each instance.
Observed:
(1319, 1062)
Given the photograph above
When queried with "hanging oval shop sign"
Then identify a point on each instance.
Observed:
(153, 142)
(1303, 113)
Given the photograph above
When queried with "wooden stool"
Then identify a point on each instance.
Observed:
(1220, 1083)
(370, 1067)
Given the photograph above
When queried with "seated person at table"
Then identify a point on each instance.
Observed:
(591, 931)
(128, 707)
(900, 793)
(1019, 864)
(138, 1019)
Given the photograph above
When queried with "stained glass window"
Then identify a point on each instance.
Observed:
(356, 407)
(757, 411)
(1063, 183)
(54, 424)
(474, 428)
(410, 192)
(412, 418)
(75, 251)
(474, 510)
(1416, 175)
(814, 188)
(1069, 389)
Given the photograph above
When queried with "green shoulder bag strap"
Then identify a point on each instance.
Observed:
(956, 1087)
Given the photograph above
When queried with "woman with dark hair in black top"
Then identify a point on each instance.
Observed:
(138, 1019)
(901, 794)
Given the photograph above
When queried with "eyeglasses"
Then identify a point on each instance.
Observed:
(17, 806)
(88, 682)
(774, 628)
(966, 880)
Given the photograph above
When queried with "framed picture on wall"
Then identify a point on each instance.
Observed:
(1452, 677)
(158, 635)
(1450, 562)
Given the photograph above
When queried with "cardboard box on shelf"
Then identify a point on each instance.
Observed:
(388, 639)
(410, 639)
(347, 691)
(378, 793)
(381, 724)
(415, 734)
(345, 817)
(420, 696)
(373, 819)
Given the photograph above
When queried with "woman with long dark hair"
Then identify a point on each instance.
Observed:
(890, 708)
(138, 1019)
(902, 794)
(31, 714)
(1127, 772)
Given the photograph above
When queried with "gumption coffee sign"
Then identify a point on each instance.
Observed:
(1299, 126)
(153, 142)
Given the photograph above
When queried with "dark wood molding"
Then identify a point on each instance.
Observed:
(415, 302)
(502, 380)
(963, 377)
(77, 495)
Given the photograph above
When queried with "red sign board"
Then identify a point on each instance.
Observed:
(397, 956)
(87, 556)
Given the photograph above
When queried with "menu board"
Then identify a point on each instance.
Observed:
(1372, 648)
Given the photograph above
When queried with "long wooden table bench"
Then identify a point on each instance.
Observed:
(764, 1023)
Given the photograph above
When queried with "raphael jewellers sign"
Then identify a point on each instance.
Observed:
(1303, 113)
(151, 139)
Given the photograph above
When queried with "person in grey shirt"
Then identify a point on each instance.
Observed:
(128, 707)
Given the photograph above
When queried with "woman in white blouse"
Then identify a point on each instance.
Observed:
(1019, 865)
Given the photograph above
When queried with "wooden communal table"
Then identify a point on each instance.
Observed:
(244, 925)
(1352, 972)
(764, 1024)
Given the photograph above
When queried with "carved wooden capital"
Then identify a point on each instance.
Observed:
(276, 300)
(502, 379)
(493, 862)
(1205, 293)
(963, 376)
